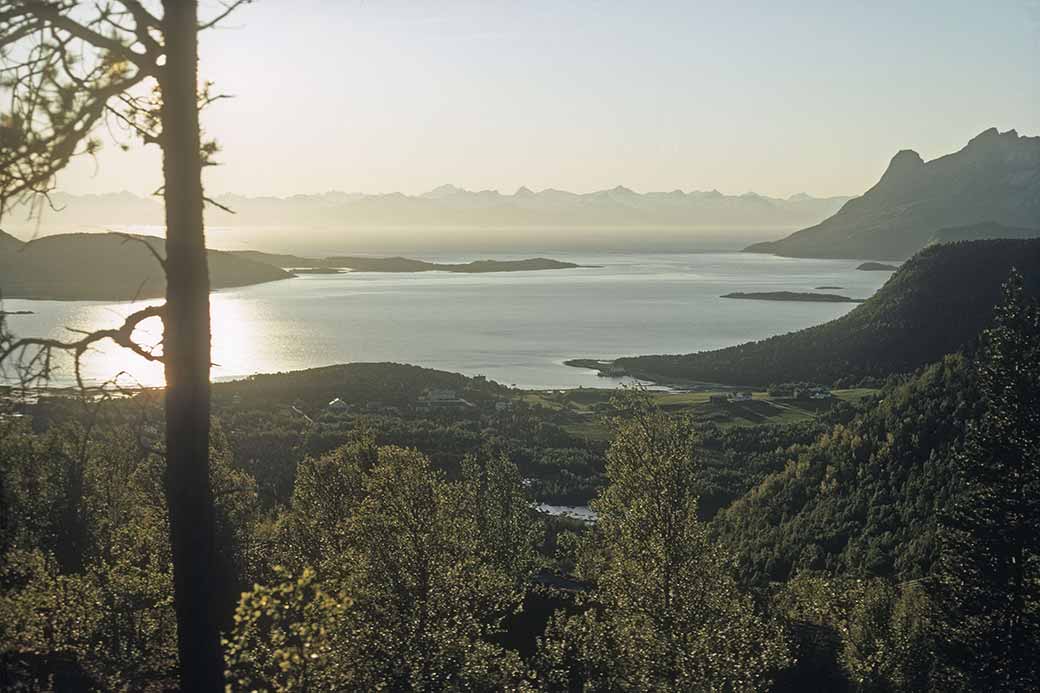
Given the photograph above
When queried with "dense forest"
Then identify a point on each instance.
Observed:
(384, 544)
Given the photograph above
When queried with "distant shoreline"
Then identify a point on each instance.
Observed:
(336, 264)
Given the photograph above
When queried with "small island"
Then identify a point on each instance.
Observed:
(877, 267)
(315, 270)
(825, 288)
(793, 296)
(16, 312)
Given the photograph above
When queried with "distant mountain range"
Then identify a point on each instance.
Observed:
(106, 267)
(988, 189)
(936, 303)
(449, 206)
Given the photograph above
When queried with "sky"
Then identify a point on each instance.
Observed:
(773, 97)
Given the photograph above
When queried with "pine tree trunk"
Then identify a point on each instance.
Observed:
(186, 347)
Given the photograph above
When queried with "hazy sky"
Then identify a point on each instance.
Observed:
(775, 97)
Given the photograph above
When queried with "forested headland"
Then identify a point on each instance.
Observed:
(936, 303)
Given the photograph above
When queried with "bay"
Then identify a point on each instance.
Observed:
(516, 328)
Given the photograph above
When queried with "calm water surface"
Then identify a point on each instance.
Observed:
(516, 328)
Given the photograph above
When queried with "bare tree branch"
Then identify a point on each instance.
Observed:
(229, 7)
(128, 237)
(216, 204)
(32, 357)
(52, 14)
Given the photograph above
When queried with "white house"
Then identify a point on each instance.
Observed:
(819, 393)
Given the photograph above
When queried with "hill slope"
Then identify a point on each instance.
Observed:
(107, 267)
(935, 304)
(864, 497)
(976, 232)
(994, 178)
(8, 243)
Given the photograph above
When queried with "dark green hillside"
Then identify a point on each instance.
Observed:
(107, 267)
(936, 304)
(357, 383)
(978, 232)
(863, 499)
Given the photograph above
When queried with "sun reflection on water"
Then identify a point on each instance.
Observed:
(233, 339)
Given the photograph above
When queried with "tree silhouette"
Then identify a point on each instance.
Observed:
(67, 67)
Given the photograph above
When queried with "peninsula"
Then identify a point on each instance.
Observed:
(877, 267)
(107, 267)
(935, 304)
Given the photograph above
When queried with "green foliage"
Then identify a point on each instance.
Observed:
(885, 630)
(110, 610)
(265, 422)
(326, 494)
(282, 638)
(667, 614)
(427, 597)
(863, 498)
(506, 529)
(114, 613)
(989, 575)
(432, 567)
(407, 565)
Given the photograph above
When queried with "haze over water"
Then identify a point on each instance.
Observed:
(516, 328)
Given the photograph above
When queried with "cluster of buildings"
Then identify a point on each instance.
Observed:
(432, 399)
(815, 392)
(810, 392)
(727, 397)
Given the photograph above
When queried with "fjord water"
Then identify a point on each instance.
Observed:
(515, 328)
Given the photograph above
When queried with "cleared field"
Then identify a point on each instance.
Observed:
(583, 412)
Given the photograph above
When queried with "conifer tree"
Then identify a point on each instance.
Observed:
(989, 583)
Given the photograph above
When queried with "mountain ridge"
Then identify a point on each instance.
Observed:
(994, 178)
(451, 206)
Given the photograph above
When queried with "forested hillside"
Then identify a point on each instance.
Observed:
(864, 498)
